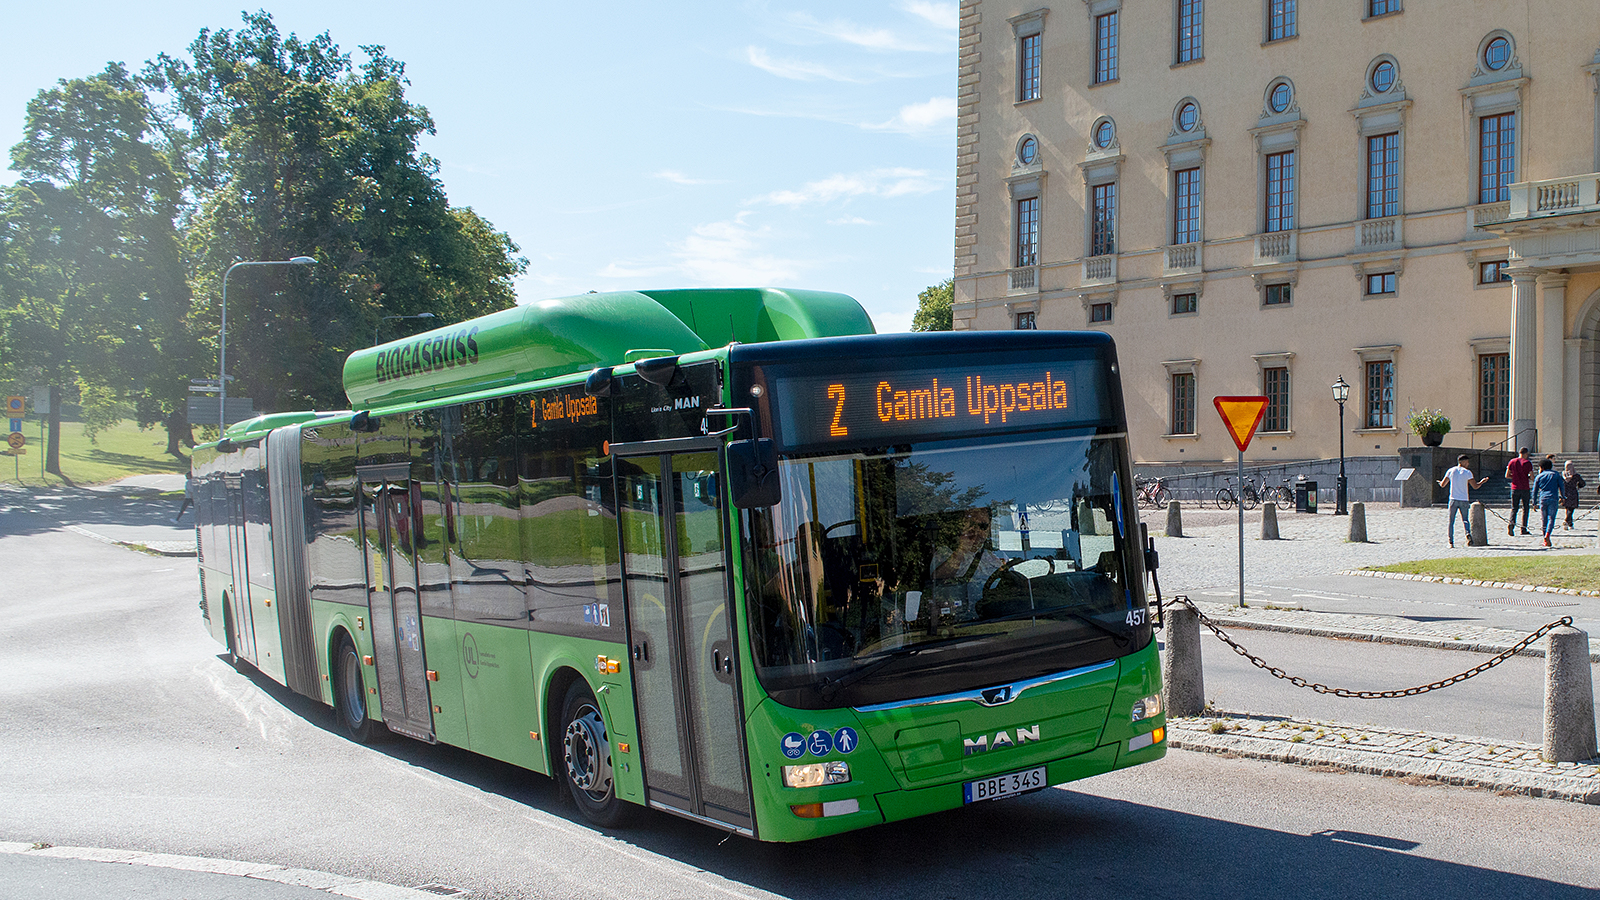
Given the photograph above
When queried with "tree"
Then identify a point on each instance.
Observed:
(290, 150)
(934, 307)
(95, 289)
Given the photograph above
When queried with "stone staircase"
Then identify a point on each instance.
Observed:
(1497, 493)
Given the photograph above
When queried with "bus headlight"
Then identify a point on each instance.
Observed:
(816, 774)
(1149, 706)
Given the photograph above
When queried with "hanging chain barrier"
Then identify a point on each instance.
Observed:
(1297, 681)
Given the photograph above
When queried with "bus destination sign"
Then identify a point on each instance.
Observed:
(929, 404)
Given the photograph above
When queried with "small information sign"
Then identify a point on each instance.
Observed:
(14, 407)
(16, 440)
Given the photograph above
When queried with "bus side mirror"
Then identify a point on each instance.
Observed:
(753, 473)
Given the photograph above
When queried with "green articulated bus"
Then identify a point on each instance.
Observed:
(723, 553)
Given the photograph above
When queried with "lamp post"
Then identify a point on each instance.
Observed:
(222, 340)
(1341, 393)
(388, 318)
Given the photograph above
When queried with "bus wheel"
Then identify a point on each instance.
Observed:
(350, 694)
(586, 758)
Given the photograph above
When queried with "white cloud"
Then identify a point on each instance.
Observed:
(732, 253)
(943, 15)
(851, 220)
(920, 118)
(883, 39)
(792, 70)
(677, 177)
(886, 183)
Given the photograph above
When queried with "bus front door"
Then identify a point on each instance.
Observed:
(389, 520)
(243, 639)
(685, 679)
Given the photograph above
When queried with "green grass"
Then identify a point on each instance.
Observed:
(1580, 573)
(119, 452)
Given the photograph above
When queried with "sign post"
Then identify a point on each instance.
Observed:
(1241, 415)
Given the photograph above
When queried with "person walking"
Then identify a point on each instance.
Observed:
(1519, 472)
(1459, 479)
(1547, 491)
(188, 496)
(1571, 484)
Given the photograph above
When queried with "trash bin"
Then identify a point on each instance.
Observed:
(1305, 497)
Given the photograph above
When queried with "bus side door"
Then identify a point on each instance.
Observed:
(389, 520)
(675, 572)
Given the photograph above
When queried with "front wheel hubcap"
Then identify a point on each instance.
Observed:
(588, 753)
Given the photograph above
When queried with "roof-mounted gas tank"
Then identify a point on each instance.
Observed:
(568, 335)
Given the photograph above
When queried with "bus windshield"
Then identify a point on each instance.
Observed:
(928, 569)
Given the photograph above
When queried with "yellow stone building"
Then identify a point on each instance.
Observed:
(1265, 197)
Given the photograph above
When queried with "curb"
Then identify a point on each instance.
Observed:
(1449, 759)
(339, 885)
(1471, 582)
(160, 548)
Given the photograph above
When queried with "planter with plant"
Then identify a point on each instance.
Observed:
(1430, 424)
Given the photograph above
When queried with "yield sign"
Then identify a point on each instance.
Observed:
(1241, 415)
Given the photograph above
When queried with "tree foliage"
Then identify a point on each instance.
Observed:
(291, 150)
(934, 307)
(128, 212)
(94, 299)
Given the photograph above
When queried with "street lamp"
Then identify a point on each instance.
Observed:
(1341, 393)
(388, 318)
(222, 340)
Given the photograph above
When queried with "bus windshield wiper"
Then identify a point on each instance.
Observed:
(832, 686)
(1120, 637)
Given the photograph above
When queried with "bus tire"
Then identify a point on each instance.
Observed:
(350, 693)
(586, 759)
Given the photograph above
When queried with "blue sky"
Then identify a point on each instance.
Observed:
(634, 145)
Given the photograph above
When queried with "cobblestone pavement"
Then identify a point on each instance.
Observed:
(1451, 759)
(1207, 556)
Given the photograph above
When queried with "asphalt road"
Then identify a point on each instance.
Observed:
(121, 726)
(1502, 703)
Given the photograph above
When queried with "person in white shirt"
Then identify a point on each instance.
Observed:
(1459, 479)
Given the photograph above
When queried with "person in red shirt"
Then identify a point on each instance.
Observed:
(1519, 471)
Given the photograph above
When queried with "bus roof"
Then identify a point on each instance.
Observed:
(565, 335)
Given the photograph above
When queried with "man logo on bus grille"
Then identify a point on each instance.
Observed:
(982, 744)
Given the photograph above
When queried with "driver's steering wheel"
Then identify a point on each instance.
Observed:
(1007, 572)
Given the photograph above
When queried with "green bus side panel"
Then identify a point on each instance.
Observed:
(443, 654)
(525, 343)
(269, 643)
(327, 618)
(497, 689)
(758, 315)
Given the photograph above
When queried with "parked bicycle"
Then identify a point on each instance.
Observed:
(1153, 493)
(1247, 496)
(1281, 494)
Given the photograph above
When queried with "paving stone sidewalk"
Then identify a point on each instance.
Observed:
(1430, 757)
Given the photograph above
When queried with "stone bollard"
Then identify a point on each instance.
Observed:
(1269, 521)
(1180, 665)
(1478, 533)
(1358, 523)
(1174, 519)
(1568, 698)
(1085, 518)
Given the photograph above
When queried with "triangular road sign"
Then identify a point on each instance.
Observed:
(1241, 415)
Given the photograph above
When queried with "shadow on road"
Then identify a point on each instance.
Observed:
(1052, 843)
